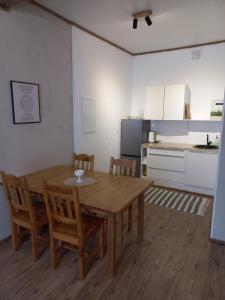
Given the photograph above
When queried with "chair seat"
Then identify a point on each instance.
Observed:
(23, 218)
(91, 224)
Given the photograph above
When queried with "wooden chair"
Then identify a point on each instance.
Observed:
(83, 162)
(24, 214)
(123, 167)
(67, 224)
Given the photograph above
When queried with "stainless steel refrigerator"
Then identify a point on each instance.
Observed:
(134, 132)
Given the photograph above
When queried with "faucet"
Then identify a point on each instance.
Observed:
(208, 141)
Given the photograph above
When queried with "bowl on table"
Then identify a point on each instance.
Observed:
(79, 174)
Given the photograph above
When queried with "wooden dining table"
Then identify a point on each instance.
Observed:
(110, 194)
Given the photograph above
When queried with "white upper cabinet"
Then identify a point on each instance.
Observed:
(154, 102)
(166, 102)
(174, 102)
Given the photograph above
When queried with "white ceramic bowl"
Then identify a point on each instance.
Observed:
(79, 173)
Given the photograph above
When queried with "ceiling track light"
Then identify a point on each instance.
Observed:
(135, 22)
(148, 20)
(142, 14)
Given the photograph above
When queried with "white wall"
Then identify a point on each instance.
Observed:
(5, 229)
(218, 220)
(100, 72)
(205, 76)
(35, 47)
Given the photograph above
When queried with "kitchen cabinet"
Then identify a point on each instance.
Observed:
(166, 164)
(183, 169)
(166, 102)
(174, 102)
(154, 103)
(166, 159)
(165, 177)
(201, 169)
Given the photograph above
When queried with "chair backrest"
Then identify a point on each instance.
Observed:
(63, 207)
(83, 162)
(2, 175)
(124, 167)
(18, 194)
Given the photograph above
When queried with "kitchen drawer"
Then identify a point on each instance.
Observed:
(165, 162)
(166, 175)
(163, 152)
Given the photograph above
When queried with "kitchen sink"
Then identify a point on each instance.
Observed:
(205, 147)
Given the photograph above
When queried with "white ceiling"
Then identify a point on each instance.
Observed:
(175, 22)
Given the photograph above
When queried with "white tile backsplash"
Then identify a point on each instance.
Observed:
(190, 138)
(188, 132)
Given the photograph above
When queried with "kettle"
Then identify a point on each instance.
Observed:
(151, 136)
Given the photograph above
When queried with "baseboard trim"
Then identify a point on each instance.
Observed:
(220, 242)
(5, 240)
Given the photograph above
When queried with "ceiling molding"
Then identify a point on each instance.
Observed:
(50, 11)
(115, 45)
(6, 5)
(180, 48)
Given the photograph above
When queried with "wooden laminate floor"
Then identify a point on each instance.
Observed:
(176, 261)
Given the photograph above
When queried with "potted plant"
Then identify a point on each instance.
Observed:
(216, 115)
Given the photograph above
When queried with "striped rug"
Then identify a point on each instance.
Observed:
(179, 201)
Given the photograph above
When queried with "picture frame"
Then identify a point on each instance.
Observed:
(25, 102)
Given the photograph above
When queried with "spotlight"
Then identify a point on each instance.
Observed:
(135, 22)
(140, 15)
(148, 20)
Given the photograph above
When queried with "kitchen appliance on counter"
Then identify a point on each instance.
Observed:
(152, 137)
(134, 132)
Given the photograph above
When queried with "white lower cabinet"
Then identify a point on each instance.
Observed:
(166, 175)
(166, 160)
(201, 169)
(187, 170)
(166, 167)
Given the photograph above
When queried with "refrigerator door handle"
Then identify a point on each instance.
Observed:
(136, 156)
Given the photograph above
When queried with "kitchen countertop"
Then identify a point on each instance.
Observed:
(178, 146)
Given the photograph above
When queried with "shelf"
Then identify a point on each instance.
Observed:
(187, 120)
(144, 170)
(204, 120)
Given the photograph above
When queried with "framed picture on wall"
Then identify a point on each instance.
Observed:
(25, 102)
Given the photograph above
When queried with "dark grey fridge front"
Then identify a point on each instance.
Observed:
(134, 132)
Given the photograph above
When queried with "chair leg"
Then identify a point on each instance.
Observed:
(53, 251)
(34, 241)
(81, 265)
(15, 237)
(130, 216)
(101, 241)
(121, 228)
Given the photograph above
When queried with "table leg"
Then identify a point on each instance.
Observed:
(140, 229)
(112, 244)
